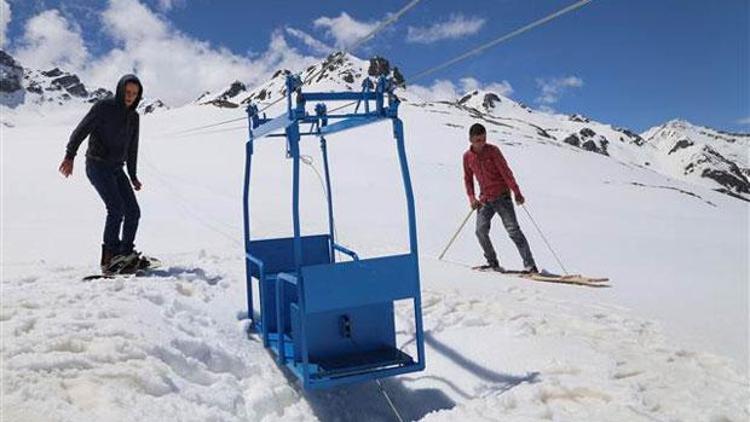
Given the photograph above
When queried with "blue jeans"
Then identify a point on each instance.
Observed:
(504, 207)
(114, 188)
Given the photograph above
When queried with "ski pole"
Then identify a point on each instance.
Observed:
(544, 238)
(456, 234)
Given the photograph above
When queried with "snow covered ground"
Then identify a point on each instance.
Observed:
(667, 342)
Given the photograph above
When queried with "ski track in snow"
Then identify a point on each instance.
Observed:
(172, 346)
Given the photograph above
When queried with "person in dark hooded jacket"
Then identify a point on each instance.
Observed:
(112, 128)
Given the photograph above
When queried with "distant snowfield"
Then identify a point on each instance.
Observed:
(667, 342)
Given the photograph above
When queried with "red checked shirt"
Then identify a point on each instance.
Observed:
(493, 174)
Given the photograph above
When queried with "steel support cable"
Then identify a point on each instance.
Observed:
(498, 40)
(382, 25)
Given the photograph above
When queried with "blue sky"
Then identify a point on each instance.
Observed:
(630, 63)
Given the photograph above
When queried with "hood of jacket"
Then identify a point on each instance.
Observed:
(120, 91)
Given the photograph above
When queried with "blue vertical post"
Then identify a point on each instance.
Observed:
(329, 196)
(293, 136)
(398, 133)
(246, 222)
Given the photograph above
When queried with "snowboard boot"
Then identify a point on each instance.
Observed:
(118, 263)
(106, 259)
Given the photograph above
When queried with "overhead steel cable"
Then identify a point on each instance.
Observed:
(391, 19)
(498, 40)
(210, 125)
(382, 25)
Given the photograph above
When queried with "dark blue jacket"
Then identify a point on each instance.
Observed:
(113, 130)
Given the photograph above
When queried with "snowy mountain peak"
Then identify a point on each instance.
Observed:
(338, 71)
(20, 85)
(704, 155)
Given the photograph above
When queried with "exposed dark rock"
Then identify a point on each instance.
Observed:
(7, 60)
(222, 103)
(634, 137)
(573, 140)
(379, 67)
(590, 145)
(333, 62)
(489, 100)
(398, 78)
(588, 133)
(735, 181)
(587, 140)
(281, 72)
(603, 143)
(154, 106)
(682, 143)
(543, 133)
(348, 77)
(467, 97)
(11, 74)
(72, 84)
(234, 89)
(578, 118)
(100, 94)
(35, 88)
(732, 194)
(53, 73)
(731, 176)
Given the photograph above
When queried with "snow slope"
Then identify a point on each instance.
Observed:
(667, 342)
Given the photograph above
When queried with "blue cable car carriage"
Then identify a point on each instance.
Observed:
(330, 322)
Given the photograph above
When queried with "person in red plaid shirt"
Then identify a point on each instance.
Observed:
(485, 162)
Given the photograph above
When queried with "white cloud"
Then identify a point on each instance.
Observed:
(5, 16)
(49, 40)
(172, 65)
(167, 5)
(552, 89)
(444, 90)
(456, 26)
(344, 29)
(312, 42)
(744, 121)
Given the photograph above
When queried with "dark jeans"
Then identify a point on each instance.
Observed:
(504, 207)
(114, 188)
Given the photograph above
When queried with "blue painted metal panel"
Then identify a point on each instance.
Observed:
(280, 122)
(277, 255)
(372, 328)
(364, 282)
(348, 124)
